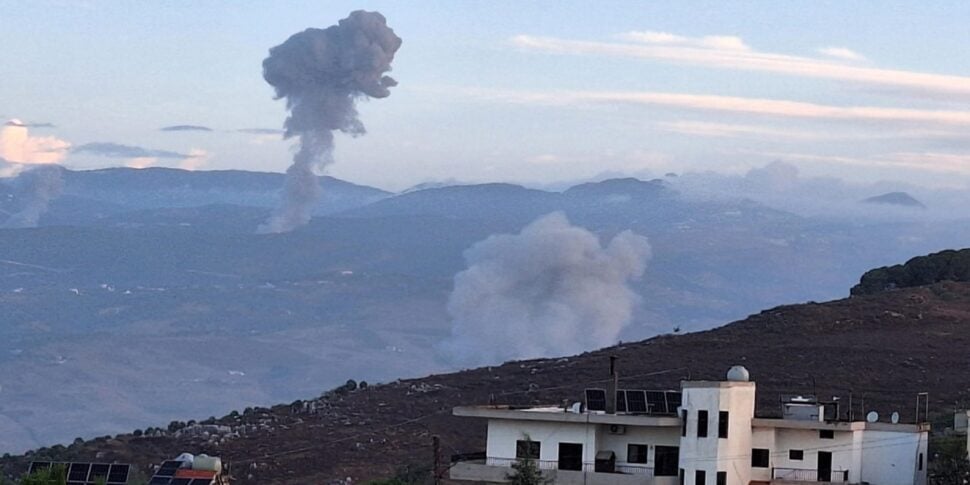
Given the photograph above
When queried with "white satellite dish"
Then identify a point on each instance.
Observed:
(895, 418)
(872, 417)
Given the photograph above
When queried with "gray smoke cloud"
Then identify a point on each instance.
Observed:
(321, 73)
(36, 188)
(550, 290)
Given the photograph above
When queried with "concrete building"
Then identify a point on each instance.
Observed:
(705, 434)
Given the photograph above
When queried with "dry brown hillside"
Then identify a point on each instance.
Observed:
(883, 348)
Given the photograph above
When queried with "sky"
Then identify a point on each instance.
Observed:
(529, 92)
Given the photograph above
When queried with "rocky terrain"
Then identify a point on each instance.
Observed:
(882, 348)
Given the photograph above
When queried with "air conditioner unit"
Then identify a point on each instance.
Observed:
(617, 429)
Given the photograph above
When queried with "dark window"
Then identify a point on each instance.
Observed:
(920, 462)
(636, 453)
(683, 424)
(826, 434)
(571, 456)
(721, 478)
(759, 458)
(796, 455)
(700, 477)
(681, 476)
(527, 449)
(702, 424)
(665, 461)
(722, 424)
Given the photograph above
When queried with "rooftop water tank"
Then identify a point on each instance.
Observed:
(208, 463)
(738, 374)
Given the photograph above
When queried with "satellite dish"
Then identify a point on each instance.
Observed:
(872, 417)
(895, 418)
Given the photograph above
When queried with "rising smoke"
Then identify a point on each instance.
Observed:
(321, 73)
(550, 290)
(36, 188)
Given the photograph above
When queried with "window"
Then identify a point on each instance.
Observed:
(702, 424)
(759, 458)
(721, 478)
(527, 449)
(826, 434)
(636, 453)
(722, 424)
(681, 476)
(700, 477)
(796, 454)
(683, 424)
(665, 461)
(920, 462)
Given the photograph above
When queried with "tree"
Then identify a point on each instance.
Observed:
(950, 464)
(55, 475)
(525, 471)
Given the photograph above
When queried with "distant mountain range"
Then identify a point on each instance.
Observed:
(896, 198)
(143, 287)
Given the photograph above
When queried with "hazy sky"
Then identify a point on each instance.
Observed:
(533, 92)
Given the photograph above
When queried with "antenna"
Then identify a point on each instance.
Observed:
(872, 417)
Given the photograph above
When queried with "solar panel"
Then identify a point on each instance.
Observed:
(160, 481)
(596, 399)
(118, 474)
(99, 470)
(636, 401)
(168, 468)
(674, 400)
(202, 481)
(87, 473)
(181, 481)
(657, 402)
(620, 401)
(79, 472)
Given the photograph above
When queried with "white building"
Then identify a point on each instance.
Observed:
(706, 434)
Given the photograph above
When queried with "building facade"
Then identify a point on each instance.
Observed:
(710, 437)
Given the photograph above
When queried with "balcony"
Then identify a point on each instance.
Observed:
(781, 475)
(496, 470)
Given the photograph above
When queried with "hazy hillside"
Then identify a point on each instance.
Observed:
(883, 348)
(142, 305)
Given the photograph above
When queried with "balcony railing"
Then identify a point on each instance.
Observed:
(808, 475)
(590, 467)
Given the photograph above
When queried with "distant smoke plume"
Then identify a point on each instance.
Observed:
(550, 290)
(36, 189)
(321, 73)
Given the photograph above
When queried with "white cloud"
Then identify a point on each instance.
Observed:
(17, 145)
(724, 42)
(141, 162)
(730, 104)
(923, 161)
(197, 159)
(731, 130)
(717, 52)
(842, 53)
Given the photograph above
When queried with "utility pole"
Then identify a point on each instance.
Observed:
(436, 448)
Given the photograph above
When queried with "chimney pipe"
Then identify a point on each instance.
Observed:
(613, 385)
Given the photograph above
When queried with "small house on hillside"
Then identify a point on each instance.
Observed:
(707, 433)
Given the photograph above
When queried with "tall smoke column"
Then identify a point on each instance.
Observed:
(37, 188)
(321, 73)
(550, 290)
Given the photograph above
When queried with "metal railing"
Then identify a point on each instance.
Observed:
(588, 467)
(808, 475)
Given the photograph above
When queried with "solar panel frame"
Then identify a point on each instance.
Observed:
(595, 399)
(36, 466)
(636, 401)
(168, 468)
